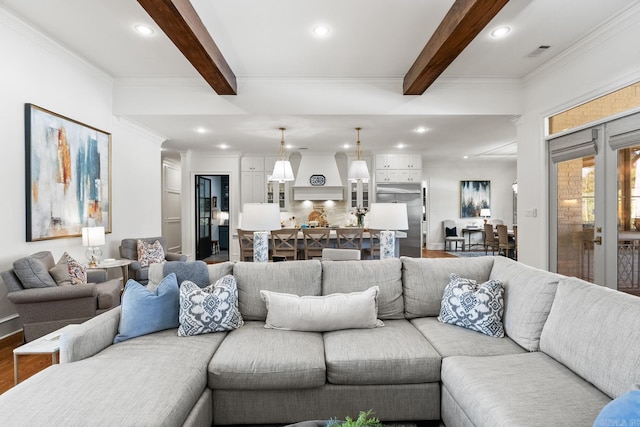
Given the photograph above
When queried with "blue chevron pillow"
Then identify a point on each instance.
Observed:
(473, 306)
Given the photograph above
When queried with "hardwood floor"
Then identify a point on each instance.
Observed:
(28, 364)
(32, 364)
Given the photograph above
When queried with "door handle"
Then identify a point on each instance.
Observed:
(598, 240)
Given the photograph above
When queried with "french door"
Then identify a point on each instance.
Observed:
(203, 217)
(595, 203)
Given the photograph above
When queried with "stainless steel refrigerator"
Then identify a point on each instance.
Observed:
(411, 194)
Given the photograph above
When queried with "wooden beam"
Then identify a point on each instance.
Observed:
(180, 22)
(464, 21)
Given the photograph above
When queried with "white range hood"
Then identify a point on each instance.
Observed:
(318, 178)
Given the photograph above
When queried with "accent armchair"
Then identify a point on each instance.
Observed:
(129, 250)
(44, 306)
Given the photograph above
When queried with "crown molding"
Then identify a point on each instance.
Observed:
(136, 127)
(41, 39)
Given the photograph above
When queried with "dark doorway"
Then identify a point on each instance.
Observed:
(212, 218)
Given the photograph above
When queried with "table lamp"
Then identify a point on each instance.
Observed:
(486, 213)
(260, 218)
(92, 238)
(388, 217)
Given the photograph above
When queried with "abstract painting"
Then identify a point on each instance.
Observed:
(474, 195)
(68, 175)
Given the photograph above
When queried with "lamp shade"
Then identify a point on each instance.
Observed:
(388, 216)
(260, 217)
(358, 170)
(282, 171)
(93, 236)
(485, 212)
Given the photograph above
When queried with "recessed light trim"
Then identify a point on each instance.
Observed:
(401, 145)
(201, 129)
(223, 146)
(143, 29)
(421, 129)
(321, 31)
(500, 32)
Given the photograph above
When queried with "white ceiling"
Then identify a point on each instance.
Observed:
(368, 39)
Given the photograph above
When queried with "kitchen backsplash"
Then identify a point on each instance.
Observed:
(337, 213)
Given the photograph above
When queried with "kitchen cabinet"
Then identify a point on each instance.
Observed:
(255, 185)
(398, 168)
(358, 192)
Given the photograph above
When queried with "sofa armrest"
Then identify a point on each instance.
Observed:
(170, 256)
(135, 266)
(90, 337)
(56, 293)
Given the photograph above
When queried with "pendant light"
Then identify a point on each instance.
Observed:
(282, 169)
(358, 170)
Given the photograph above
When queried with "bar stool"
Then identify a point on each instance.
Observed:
(315, 240)
(215, 247)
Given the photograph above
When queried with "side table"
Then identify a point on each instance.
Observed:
(48, 344)
(122, 263)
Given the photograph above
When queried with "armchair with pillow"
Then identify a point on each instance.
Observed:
(150, 250)
(47, 297)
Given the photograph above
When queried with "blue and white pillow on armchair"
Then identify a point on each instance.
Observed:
(472, 306)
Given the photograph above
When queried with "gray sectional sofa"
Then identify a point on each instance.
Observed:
(570, 348)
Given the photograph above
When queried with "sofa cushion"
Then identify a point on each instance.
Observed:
(253, 357)
(152, 380)
(193, 271)
(33, 270)
(593, 330)
(474, 306)
(300, 278)
(450, 340)
(218, 270)
(525, 390)
(424, 280)
(322, 313)
(395, 354)
(149, 253)
(77, 271)
(210, 309)
(144, 311)
(528, 296)
(60, 271)
(352, 276)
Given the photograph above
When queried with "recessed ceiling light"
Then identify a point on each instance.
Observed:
(465, 157)
(145, 30)
(288, 146)
(500, 32)
(200, 129)
(421, 129)
(400, 145)
(223, 146)
(345, 146)
(321, 31)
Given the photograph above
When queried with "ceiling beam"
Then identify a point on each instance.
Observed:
(180, 22)
(464, 21)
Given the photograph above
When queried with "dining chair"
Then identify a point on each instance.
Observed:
(334, 254)
(245, 238)
(284, 242)
(315, 240)
(373, 251)
(451, 235)
(515, 242)
(349, 238)
(505, 245)
(490, 241)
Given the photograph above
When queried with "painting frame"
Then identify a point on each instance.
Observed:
(474, 196)
(67, 175)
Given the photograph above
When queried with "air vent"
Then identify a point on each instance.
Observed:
(538, 51)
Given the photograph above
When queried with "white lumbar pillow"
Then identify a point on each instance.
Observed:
(356, 310)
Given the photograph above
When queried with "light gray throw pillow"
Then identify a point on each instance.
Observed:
(356, 310)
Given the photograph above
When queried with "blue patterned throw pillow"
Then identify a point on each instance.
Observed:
(473, 306)
(210, 309)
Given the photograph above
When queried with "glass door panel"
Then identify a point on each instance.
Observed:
(629, 219)
(576, 217)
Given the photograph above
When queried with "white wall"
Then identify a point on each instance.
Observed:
(36, 70)
(444, 193)
(606, 61)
